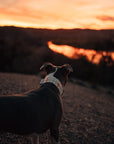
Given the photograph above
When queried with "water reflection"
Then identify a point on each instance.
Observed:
(75, 53)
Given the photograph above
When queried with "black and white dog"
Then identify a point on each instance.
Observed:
(38, 110)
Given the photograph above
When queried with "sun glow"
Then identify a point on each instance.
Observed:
(75, 53)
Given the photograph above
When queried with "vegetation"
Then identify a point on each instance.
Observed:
(24, 50)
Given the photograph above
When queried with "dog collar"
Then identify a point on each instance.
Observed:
(50, 78)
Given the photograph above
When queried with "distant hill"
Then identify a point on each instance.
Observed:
(24, 50)
(86, 38)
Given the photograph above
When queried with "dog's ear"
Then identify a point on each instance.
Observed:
(67, 68)
(48, 67)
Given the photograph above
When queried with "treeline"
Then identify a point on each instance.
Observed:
(99, 40)
(24, 50)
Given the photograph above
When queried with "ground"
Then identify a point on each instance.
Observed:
(88, 111)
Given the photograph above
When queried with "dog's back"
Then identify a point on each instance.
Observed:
(32, 112)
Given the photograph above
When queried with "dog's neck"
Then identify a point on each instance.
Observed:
(51, 79)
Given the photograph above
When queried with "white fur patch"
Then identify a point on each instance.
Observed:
(50, 78)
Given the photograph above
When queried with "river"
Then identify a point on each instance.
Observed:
(75, 53)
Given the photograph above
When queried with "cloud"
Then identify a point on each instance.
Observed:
(105, 18)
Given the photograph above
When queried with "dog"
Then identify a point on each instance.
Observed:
(38, 110)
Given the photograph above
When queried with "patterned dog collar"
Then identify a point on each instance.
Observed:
(50, 78)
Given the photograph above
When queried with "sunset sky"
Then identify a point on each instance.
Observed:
(93, 14)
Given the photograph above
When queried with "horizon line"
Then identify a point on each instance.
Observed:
(30, 27)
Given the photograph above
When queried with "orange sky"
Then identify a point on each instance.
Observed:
(94, 14)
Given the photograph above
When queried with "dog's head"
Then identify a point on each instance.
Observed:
(59, 72)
